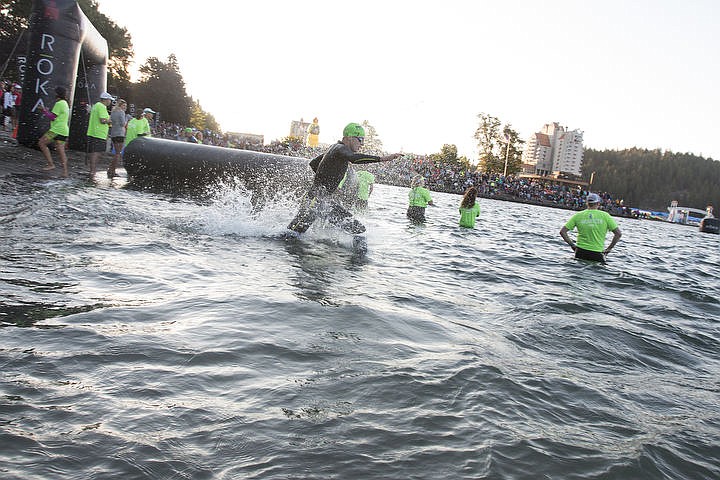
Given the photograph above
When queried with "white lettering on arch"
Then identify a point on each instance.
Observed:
(45, 64)
(50, 40)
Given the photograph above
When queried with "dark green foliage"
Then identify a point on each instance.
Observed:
(651, 179)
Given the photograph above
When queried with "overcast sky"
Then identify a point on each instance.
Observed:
(627, 73)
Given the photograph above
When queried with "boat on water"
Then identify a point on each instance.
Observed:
(704, 219)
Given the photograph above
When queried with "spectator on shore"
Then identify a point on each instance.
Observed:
(8, 104)
(117, 134)
(97, 131)
(17, 91)
(58, 132)
(592, 226)
(139, 126)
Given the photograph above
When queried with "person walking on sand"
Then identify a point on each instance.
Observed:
(97, 131)
(592, 225)
(58, 132)
(469, 208)
(330, 168)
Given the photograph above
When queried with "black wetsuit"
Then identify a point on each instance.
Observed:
(329, 171)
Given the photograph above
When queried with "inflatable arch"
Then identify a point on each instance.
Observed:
(64, 49)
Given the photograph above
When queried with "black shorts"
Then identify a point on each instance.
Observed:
(416, 214)
(55, 137)
(583, 254)
(95, 145)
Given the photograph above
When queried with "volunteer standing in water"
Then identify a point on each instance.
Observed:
(330, 168)
(592, 226)
(420, 198)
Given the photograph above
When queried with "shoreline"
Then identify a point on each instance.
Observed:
(20, 160)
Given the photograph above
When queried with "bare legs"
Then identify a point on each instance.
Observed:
(43, 146)
(93, 163)
(60, 147)
(115, 160)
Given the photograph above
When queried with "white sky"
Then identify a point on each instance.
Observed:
(627, 73)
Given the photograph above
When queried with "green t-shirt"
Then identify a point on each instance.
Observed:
(468, 215)
(419, 197)
(592, 226)
(136, 127)
(364, 179)
(131, 131)
(60, 124)
(143, 127)
(95, 128)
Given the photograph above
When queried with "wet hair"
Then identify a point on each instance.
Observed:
(60, 92)
(469, 198)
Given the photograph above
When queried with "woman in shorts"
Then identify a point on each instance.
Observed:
(117, 134)
(59, 130)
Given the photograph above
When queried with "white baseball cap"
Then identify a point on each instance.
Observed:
(105, 96)
(593, 198)
(149, 110)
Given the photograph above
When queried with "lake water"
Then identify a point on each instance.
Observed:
(151, 336)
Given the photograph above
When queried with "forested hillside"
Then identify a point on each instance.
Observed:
(651, 179)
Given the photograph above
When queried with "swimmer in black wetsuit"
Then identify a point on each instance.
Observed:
(329, 171)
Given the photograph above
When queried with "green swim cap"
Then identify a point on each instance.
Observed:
(353, 130)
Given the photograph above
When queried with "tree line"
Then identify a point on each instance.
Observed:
(651, 179)
(161, 85)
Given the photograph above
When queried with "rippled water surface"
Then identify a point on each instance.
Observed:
(151, 336)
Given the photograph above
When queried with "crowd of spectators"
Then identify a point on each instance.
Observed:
(441, 177)
(455, 178)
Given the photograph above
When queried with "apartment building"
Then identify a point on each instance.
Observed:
(554, 150)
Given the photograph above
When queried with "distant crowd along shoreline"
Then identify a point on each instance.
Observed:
(441, 178)
(445, 178)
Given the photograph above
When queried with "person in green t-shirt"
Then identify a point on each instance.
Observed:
(420, 198)
(139, 126)
(59, 130)
(97, 131)
(592, 225)
(469, 208)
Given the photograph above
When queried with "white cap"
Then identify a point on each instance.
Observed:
(593, 198)
(105, 96)
(149, 110)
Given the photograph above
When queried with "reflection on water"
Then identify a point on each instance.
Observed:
(155, 336)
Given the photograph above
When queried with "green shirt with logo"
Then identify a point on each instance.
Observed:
(592, 226)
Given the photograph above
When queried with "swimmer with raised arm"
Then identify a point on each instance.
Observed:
(330, 168)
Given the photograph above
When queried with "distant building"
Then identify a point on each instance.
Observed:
(246, 139)
(299, 129)
(554, 150)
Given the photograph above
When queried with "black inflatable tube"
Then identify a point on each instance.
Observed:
(181, 166)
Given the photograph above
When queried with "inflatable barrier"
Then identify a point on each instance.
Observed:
(64, 50)
(710, 225)
(176, 166)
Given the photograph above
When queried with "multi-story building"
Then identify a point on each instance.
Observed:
(554, 150)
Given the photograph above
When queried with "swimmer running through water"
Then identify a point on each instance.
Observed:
(330, 168)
